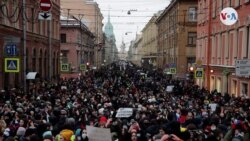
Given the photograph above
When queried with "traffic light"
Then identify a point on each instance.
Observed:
(190, 75)
(87, 64)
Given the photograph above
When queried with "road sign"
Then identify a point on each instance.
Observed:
(199, 73)
(172, 65)
(11, 50)
(11, 64)
(199, 62)
(44, 16)
(45, 5)
(242, 67)
(82, 67)
(65, 67)
(172, 70)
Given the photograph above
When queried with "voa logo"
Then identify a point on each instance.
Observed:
(228, 16)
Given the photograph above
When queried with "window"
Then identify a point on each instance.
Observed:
(192, 14)
(63, 38)
(190, 61)
(244, 89)
(234, 88)
(64, 58)
(237, 3)
(192, 36)
(214, 8)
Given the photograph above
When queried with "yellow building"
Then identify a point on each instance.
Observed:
(149, 43)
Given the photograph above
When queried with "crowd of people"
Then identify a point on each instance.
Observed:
(61, 111)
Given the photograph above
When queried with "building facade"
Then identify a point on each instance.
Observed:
(37, 49)
(89, 12)
(177, 36)
(150, 43)
(123, 53)
(77, 45)
(137, 50)
(220, 46)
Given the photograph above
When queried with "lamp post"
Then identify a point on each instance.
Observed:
(129, 11)
(24, 46)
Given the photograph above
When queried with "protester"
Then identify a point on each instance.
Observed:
(62, 110)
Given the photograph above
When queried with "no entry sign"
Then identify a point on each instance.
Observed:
(45, 5)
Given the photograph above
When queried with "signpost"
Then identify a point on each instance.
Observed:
(199, 73)
(44, 16)
(11, 50)
(83, 67)
(45, 5)
(65, 67)
(11, 64)
(242, 67)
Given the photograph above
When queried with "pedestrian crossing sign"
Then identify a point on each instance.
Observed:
(11, 65)
(65, 67)
(199, 73)
(172, 70)
(82, 67)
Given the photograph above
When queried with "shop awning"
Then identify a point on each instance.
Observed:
(32, 75)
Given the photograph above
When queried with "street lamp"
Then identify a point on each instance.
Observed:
(191, 69)
(129, 11)
(128, 33)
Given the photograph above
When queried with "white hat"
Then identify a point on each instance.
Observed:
(100, 111)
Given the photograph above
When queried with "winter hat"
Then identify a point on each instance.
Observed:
(101, 111)
(6, 132)
(66, 134)
(21, 131)
(103, 119)
(78, 132)
(47, 135)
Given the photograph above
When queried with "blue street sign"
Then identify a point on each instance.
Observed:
(11, 50)
(172, 65)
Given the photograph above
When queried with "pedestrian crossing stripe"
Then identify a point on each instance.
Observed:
(11, 65)
(65, 67)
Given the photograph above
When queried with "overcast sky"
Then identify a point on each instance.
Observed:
(133, 23)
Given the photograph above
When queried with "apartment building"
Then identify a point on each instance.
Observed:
(77, 45)
(40, 51)
(89, 12)
(219, 46)
(177, 27)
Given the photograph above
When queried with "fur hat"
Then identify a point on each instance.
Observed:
(20, 131)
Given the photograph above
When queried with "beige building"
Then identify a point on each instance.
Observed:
(89, 12)
(149, 43)
(177, 36)
(134, 54)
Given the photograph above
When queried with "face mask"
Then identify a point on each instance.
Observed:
(213, 128)
(84, 136)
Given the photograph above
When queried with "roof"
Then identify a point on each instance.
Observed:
(166, 10)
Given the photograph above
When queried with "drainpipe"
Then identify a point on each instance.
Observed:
(24, 47)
